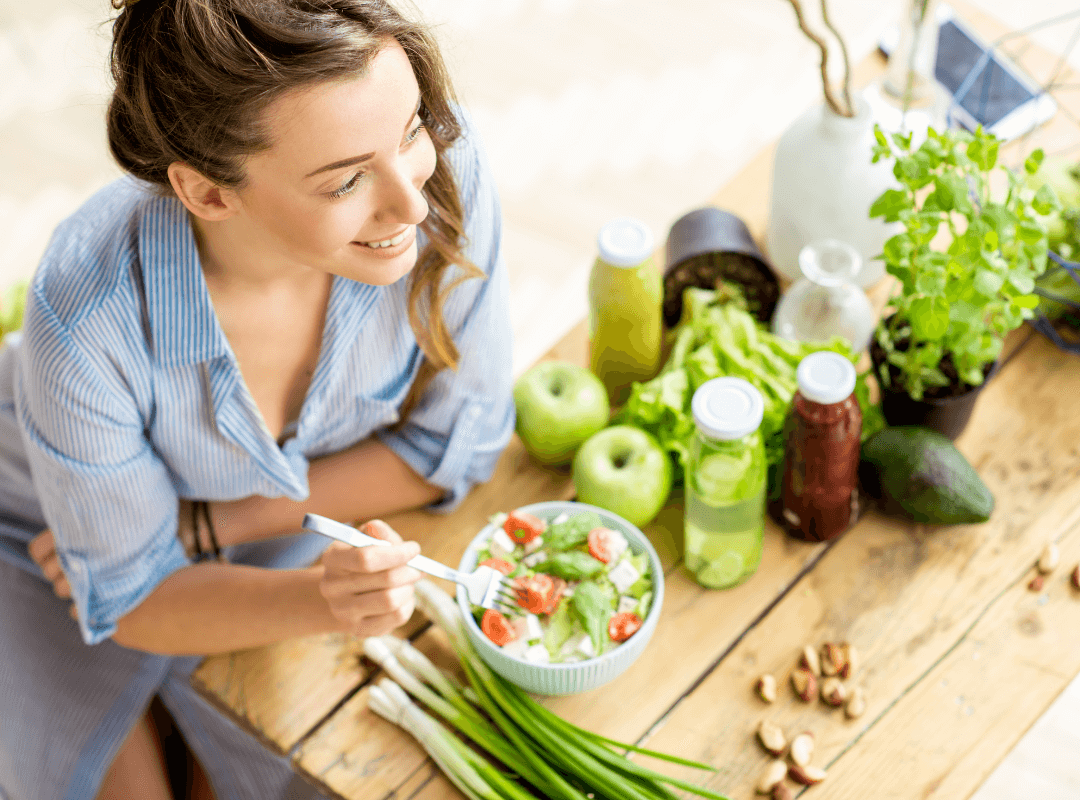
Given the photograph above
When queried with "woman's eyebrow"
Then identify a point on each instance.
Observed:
(348, 162)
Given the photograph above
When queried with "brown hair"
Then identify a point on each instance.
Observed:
(193, 78)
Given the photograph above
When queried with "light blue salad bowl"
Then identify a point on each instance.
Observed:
(580, 676)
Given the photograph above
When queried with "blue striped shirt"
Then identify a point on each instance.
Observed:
(122, 394)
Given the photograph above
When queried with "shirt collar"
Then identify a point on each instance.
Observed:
(182, 321)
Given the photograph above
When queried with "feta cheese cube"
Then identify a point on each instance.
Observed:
(627, 604)
(617, 546)
(538, 654)
(584, 646)
(623, 575)
(516, 648)
(533, 545)
(528, 627)
(533, 559)
(563, 517)
(501, 544)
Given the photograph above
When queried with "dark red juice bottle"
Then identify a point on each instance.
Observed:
(820, 498)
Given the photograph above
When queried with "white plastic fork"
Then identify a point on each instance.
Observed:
(485, 586)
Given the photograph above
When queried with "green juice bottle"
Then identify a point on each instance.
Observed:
(625, 298)
(725, 484)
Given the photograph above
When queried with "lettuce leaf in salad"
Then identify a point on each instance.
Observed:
(572, 565)
(594, 605)
(643, 584)
(574, 532)
(643, 605)
(560, 628)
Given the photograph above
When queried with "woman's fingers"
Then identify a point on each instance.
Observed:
(370, 588)
(345, 585)
(374, 558)
(380, 530)
(42, 546)
(43, 550)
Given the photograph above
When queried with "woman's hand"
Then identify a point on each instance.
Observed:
(370, 589)
(43, 551)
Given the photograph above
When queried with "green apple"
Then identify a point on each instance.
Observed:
(624, 470)
(559, 406)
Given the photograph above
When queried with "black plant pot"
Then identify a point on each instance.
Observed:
(946, 415)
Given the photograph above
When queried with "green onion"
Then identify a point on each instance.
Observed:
(549, 756)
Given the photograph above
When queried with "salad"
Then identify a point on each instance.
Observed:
(581, 591)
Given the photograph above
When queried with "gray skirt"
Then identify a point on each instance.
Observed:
(66, 707)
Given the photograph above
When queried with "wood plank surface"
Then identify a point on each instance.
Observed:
(914, 599)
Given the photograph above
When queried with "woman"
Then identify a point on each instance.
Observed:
(273, 315)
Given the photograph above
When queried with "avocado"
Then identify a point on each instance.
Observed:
(920, 473)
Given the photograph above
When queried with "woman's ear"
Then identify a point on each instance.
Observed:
(201, 196)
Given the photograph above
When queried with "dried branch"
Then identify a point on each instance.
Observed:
(830, 97)
(847, 62)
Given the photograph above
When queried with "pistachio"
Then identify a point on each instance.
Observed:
(809, 659)
(766, 688)
(1036, 584)
(833, 692)
(1076, 577)
(1049, 558)
(850, 660)
(802, 748)
(773, 774)
(782, 792)
(856, 704)
(807, 776)
(832, 658)
(772, 737)
(805, 684)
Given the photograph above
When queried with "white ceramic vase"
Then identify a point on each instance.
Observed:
(823, 186)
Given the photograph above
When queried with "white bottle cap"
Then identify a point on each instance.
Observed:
(727, 408)
(825, 377)
(625, 242)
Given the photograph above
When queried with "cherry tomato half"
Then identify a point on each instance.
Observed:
(522, 527)
(622, 626)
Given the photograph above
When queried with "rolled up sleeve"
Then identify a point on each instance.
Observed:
(465, 419)
(106, 495)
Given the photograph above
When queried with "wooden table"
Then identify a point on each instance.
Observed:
(959, 657)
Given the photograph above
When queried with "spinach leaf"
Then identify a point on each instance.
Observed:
(573, 565)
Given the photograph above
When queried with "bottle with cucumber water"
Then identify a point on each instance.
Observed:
(725, 484)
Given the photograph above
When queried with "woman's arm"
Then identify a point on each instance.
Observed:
(365, 481)
(216, 608)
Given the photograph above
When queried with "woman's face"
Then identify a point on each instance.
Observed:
(339, 190)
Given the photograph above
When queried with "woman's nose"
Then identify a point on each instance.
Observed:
(400, 199)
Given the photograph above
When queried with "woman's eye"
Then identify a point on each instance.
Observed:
(347, 187)
(411, 136)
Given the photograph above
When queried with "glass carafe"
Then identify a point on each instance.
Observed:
(826, 302)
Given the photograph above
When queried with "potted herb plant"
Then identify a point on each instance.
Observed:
(966, 260)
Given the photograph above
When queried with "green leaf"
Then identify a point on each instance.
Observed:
(572, 565)
(593, 606)
(1045, 199)
(1023, 283)
(1026, 301)
(890, 204)
(983, 150)
(1032, 162)
(574, 532)
(929, 318)
(988, 283)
